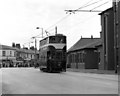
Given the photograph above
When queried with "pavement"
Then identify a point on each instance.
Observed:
(95, 71)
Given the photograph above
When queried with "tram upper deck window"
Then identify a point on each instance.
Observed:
(57, 39)
(44, 41)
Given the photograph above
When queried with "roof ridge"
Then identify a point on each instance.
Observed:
(84, 43)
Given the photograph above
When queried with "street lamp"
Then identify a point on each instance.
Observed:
(41, 29)
(36, 43)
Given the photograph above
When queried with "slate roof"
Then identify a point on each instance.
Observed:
(85, 43)
(5, 47)
(111, 8)
(26, 51)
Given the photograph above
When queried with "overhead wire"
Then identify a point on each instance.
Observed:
(58, 21)
(82, 21)
(87, 4)
(100, 5)
(83, 6)
(91, 10)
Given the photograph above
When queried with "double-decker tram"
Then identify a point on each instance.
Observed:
(52, 56)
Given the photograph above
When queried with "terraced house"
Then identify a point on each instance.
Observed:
(17, 57)
(25, 56)
(7, 55)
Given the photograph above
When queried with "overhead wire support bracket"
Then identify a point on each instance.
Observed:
(73, 11)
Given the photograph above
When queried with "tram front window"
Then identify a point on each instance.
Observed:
(57, 39)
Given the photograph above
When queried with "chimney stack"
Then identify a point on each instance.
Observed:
(91, 36)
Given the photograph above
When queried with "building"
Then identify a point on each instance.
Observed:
(99, 47)
(27, 56)
(17, 57)
(84, 54)
(24, 56)
(119, 34)
(7, 55)
(107, 36)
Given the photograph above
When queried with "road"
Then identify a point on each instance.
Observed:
(33, 81)
(0, 82)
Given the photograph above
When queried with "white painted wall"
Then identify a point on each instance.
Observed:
(10, 54)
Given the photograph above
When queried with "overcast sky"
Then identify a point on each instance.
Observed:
(19, 19)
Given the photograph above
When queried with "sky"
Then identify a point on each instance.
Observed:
(19, 19)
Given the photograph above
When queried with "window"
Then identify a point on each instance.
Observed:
(10, 53)
(83, 57)
(14, 54)
(80, 57)
(57, 39)
(3, 53)
(73, 58)
(43, 42)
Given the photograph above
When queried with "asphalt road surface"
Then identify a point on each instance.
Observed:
(33, 81)
(0, 82)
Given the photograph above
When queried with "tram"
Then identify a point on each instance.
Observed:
(52, 53)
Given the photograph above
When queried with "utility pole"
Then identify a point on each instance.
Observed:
(115, 8)
(118, 36)
(42, 32)
(35, 56)
(56, 30)
(35, 65)
(35, 50)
